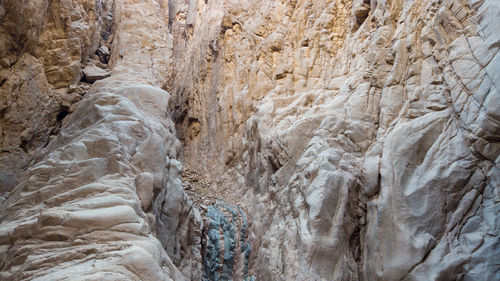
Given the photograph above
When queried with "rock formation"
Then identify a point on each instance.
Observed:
(250, 140)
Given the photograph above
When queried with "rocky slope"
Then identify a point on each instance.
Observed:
(338, 139)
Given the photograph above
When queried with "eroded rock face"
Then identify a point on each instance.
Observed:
(362, 135)
(29, 114)
(42, 47)
(225, 247)
(86, 207)
(351, 140)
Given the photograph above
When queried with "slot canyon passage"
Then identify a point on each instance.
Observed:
(249, 140)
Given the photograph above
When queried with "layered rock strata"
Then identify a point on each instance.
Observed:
(225, 246)
(43, 45)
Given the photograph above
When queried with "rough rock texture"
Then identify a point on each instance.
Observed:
(363, 136)
(360, 140)
(29, 114)
(84, 208)
(42, 46)
(93, 73)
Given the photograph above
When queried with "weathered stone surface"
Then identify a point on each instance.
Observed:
(93, 73)
(362, 135)
(75, 212)
(28, 111)
(360, 138)
(144, 184)
(74, 31)
(42, 45)
(179, 225)
(103, 53)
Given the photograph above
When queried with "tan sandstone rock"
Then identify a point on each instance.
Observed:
(359, 137)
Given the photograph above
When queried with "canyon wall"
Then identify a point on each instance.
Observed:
(85, 207)
(250, 140)
(42, 47)
(362, 137)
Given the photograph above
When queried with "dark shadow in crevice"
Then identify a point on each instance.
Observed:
(360, 11)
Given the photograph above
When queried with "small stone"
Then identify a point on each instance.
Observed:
(103, 53)
(93, 73)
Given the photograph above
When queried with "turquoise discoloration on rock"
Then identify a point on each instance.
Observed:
(212, 260)
(225, 225)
